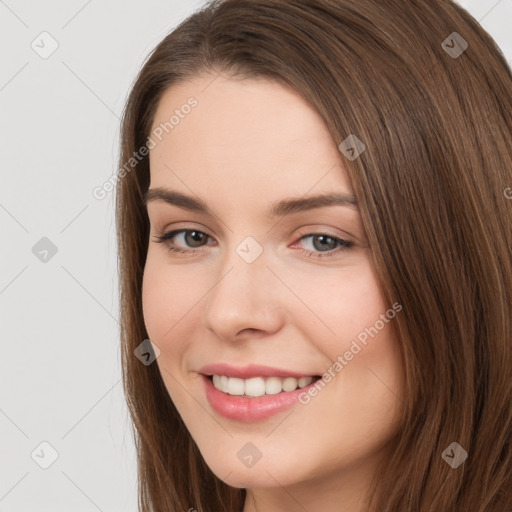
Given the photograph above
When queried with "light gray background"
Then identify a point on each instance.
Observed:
(60, 365)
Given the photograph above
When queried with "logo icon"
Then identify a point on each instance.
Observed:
(44, 45)
(351, 147)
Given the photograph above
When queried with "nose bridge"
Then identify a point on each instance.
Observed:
(243, 296)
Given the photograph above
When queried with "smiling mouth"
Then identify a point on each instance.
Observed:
(259, 386)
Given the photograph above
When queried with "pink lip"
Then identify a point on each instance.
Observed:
(252, 370)
(248, 410)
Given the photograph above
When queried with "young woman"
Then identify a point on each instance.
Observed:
(314, 229)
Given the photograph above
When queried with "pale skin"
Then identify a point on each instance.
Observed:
(246, 145)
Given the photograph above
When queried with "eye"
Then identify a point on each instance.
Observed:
(325, 245)
(193, 237)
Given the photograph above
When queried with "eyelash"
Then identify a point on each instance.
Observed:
(344, 245)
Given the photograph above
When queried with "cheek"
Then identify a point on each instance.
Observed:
(168, 296)
(343, 305)
(168, 299)
(355, 327)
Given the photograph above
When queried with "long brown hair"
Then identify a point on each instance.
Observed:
(429, 93)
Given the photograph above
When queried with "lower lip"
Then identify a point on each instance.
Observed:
(239, 408)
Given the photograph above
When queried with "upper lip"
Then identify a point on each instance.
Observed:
(249, 371)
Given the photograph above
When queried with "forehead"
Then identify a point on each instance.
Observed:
(216, 130)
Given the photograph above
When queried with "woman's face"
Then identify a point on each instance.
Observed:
(270, 289)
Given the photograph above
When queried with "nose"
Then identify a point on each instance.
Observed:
(246, 300)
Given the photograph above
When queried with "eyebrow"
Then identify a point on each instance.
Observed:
(278, 209)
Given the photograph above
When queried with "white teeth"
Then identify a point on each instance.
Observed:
(273, 386)
(259, 386)
(236, 386)
(224, 383)
(255, 386)
(289, 384)
(304, 381)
